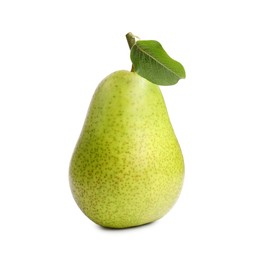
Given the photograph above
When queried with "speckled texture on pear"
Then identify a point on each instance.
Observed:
(127, 168)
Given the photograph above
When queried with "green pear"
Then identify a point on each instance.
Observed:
(127, 168)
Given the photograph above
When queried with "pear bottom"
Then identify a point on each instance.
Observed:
(127, 168)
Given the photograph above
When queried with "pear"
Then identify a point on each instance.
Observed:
(127, 168)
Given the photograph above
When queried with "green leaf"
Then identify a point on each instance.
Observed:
(152, 62)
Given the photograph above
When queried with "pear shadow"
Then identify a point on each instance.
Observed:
(109, 229)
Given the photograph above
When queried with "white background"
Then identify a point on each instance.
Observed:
(54, 53)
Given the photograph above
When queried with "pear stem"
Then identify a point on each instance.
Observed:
(131, 39)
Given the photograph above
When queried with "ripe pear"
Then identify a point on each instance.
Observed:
(127, 168)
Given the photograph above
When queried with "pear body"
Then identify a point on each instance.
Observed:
(127, 168)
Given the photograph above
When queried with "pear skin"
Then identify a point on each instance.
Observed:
(127, 168)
